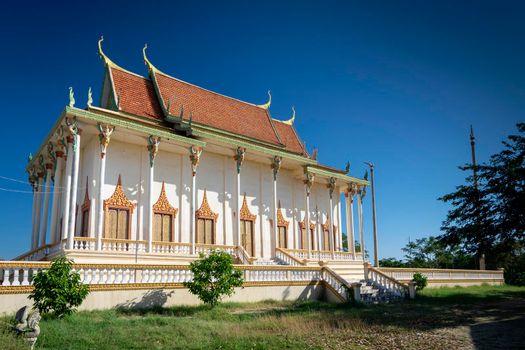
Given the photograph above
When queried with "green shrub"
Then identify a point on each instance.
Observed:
(420, 280)
(214, 277)
(58, 290)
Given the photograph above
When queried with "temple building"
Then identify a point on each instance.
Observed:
(163, 170)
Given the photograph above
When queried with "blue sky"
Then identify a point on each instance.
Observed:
(397, 84)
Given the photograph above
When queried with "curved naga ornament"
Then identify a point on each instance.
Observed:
(292, 119)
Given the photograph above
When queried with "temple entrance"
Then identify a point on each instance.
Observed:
(247, 236)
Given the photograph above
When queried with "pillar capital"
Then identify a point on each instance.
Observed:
(239, 157)
(195, 156)
(104, 136)
(153, 148)
(276, 165)
(308, 181)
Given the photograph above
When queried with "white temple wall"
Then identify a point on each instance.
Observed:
(266, 211)
(299, 198)
(130, 162)
(285, 194)
(210, 178)
(88, 171)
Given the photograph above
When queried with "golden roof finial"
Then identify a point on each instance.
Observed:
(146, 61)
(292, 119)
(269, 103)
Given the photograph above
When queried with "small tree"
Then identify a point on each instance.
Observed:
(420, 280)
(214, 277)
(58, 290)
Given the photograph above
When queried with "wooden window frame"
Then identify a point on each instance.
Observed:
(85, 210)
(163, 207)
(281, 222)
(118, 200)
(205, 212)
(312, 233)
(246, 215)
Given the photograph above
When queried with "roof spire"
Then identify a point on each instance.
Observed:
(146, 61)
(269, 103)
(292, 119)
(101, 52)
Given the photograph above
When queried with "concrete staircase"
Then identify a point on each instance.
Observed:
(372, 293)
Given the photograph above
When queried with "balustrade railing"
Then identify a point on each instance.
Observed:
(381, 279)
(323, 255)
(123, 245)
(337, 283)
(171, 248)
(406, 274)
(84, 243)
(288, 258)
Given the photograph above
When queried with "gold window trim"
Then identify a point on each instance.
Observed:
(205, 212)
(118, 200)
(301, 224)
(163, 206)
(280, 218)
(245, 213)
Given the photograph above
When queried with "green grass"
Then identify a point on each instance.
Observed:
(424, 323)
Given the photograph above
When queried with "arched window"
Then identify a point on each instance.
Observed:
(282, 228)
(206, 221)
(326, 234)
(118, 210)
(163, 218)
(247, 222)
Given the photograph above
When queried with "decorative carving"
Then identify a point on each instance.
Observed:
(118, 199)
(27, 325)
(205, 212)
(244, 213)
(153, 148)
(314, 154)
(104, 137)
(308, 181)
(195, 156)
(163, 205)
(239, 157)
(90, 97)
(276, 165)
(351, 191)
(72, 125)
(280, 218)
(71, 97)
(347, 168)
(302, 225)
(331, 186)
(87, 202)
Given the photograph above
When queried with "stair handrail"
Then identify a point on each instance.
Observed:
(338, 284)
(289, 258)
(243, 255)
(375, 275)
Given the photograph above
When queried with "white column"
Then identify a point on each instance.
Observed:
(331, 226)
(66, 195)
(238, 207)
(153, 148)
(192, 218)
(349, 197)
(38, 209)
(104, 136)
(319, 231)
(307, 221)
(360, 218)
(330, 218)
(276, 166)
(74, 190)
(100, 201)
(195, 154)
(57, 189)
(45, 210)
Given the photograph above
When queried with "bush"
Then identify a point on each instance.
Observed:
(420, 280)
(214, 277)
(58, 290)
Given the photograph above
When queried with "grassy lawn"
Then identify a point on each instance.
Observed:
(445, 318)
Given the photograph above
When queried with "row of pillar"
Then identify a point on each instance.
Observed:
(67, 147)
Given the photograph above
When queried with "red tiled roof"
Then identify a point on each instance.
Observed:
(289, 137)
(216, 110)
(137, 95)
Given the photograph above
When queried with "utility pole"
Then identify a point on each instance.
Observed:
(475, 180)
(376, 258)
